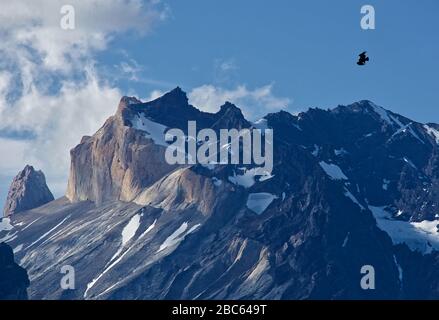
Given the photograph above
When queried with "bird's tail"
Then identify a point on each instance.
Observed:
(367, 59)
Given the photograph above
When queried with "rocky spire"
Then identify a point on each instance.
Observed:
(230, 116)
(27, 191)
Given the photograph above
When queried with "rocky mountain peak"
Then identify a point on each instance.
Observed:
(230, 109)
(282, 115)
(27, 191)
(344, 182)
(364, 103)
(230, 116)
(359, 107)
(126, 101)
(176, 97)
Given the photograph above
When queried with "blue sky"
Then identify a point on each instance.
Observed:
(307, 49)
(56, 85)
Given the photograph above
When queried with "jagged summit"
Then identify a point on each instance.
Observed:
(176, 97)
(27, 191)
(364, 103)
(344, 183)
(177, 91)
(229, 106)
(230, 116)
(126, 101)
(130, 100)
(357, 106)
(230, 109)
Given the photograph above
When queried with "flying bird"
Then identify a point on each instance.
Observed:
(363, 58)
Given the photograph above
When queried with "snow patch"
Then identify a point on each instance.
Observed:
(385, 184)
(18, 248)
(130, 229)
(248, 178)
(258, 202)
(406, 128)
(216, 182)
(386, 116)
(381, 112)
(410, 162)
(419, 236)
(354, 200)
(260, 124)
(177, 236)
(400, 271)
(346, 239)
(433, 132)
(5, 224)
(30, 224)
(316, 150)
(115, 262)
(9, 237)
(154, 130)
(333, 171)
(340, 152)
(148, 229)
(49, 232)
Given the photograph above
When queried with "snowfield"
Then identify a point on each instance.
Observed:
(153, 130)
(177, 236)
(333, 171)
(419, 236)
(259, 202)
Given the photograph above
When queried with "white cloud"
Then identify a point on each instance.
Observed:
(224, 71)
(253, 103)
(227, 65)
(48, 84)
(5, 81)
(36, 24)
(154, 95)
(131, 69)
(58, 123)
(13, 152)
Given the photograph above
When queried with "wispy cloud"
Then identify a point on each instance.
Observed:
(253, 102)
(225, 71)
(49, 85)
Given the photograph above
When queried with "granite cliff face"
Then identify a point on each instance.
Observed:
(352, 186)
(115, 164)
(127, 154)
(27, 191)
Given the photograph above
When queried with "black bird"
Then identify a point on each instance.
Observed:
(363, 58)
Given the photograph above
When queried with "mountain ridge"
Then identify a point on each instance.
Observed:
(351, 186)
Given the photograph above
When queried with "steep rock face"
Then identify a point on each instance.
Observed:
(13, 278)
(114, 164)
(184, 188)
(126, 155)
(301, 246)
(27, 191)
(390, 160)
(302, 231)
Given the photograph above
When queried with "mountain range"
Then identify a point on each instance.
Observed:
(353, 186)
